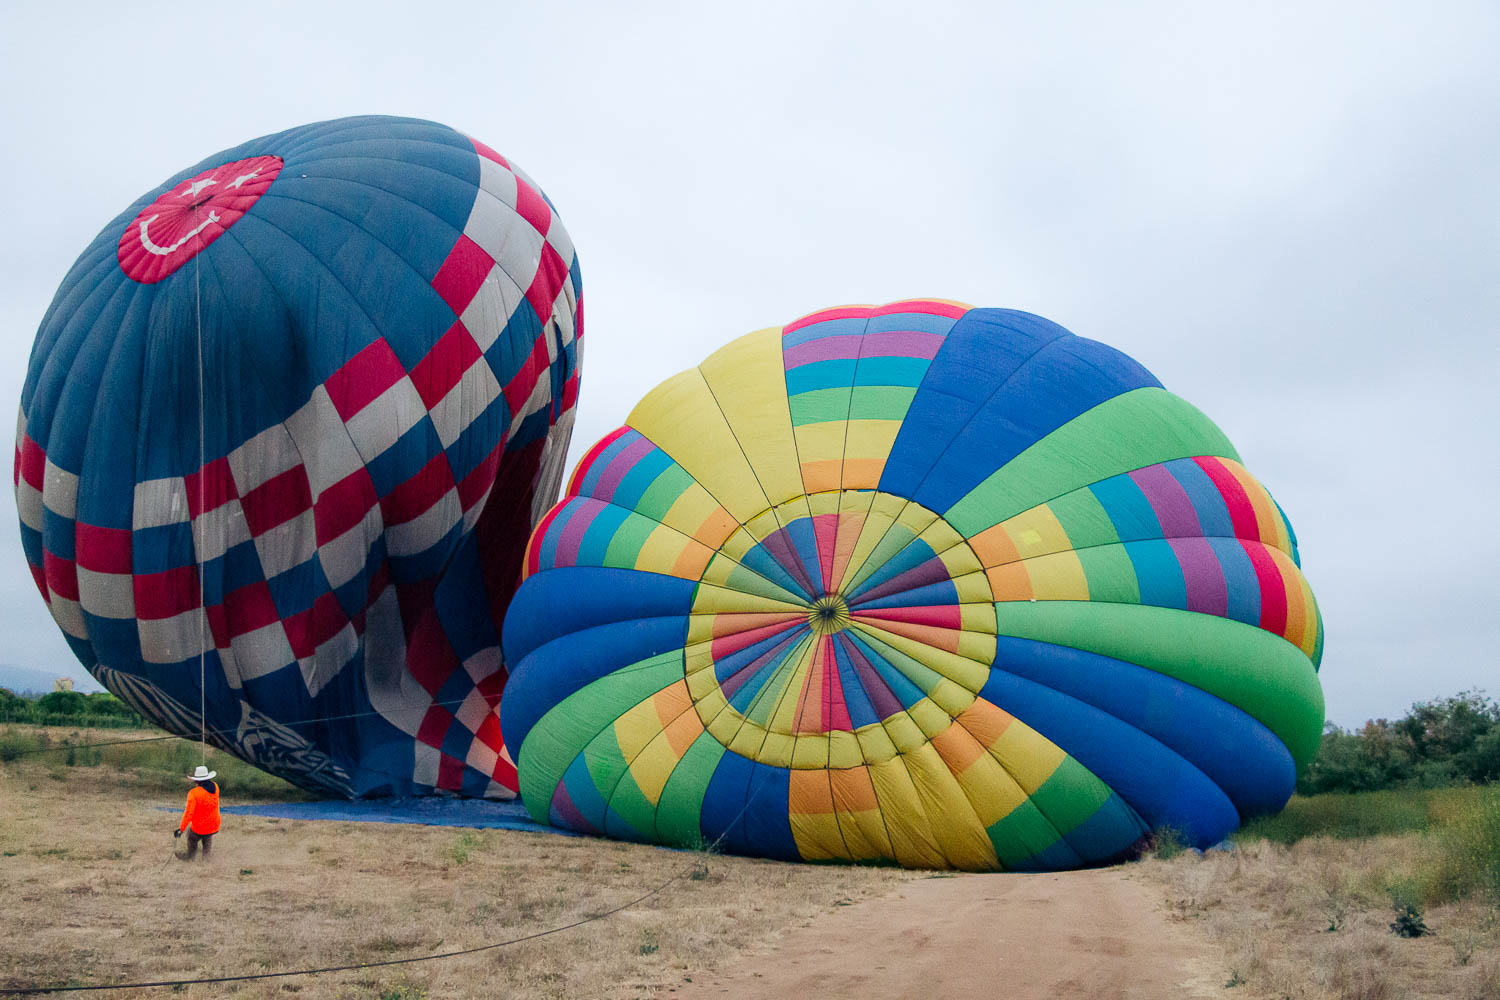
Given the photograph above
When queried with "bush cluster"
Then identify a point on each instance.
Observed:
(68, 708)
(1451, 741)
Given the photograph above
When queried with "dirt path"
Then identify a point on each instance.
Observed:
(1095, 934)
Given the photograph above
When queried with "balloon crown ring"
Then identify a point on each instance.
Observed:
(829, 614)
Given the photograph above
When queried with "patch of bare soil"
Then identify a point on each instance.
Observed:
(1089, 934)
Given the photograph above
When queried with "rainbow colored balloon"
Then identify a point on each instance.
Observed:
(921, 583)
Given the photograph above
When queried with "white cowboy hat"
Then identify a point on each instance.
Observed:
(202, 774)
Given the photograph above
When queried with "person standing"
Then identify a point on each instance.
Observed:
(200, 817)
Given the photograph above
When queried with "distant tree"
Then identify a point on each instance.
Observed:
(67, 704)
(13, 706)
(102, 703)
(1452, 740)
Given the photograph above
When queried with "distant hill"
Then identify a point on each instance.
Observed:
(26, 680)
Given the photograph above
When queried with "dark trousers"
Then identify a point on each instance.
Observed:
(193, 840)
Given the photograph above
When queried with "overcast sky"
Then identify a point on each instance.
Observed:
(1292, 217)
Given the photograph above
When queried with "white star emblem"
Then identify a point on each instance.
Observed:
(242, 178)
(195, 186)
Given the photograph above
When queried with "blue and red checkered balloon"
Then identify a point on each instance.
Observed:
(286, 427)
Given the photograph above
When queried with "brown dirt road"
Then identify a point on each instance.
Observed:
(1095, 934)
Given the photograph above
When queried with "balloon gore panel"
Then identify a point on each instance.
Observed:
(919, 583)
(286, 428)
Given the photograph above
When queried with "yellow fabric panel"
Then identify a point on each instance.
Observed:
(843, 749)
(691, 561)
(724, 725)
(991, 792)
(870, 439)
(935, 713)
(912, 843)
(1058, 577)
(784, 717)
(875, 744)
(636, 727)
(654, 765)
(748, 378)
(821, 442)
(974, 588)
(660, 551)
(681, 417)
(1310, 631)
(979, 617)
(810, 751)
(710, 598)
(904, 732)
(858, 813)
(1036, 532)
(817, 837)
(763, 524)
(1299, 621)
(959, 559)
(955, 824)
(978, 646)
(1027, 755)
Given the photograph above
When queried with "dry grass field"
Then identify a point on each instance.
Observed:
(1311, 920)
(90, 893)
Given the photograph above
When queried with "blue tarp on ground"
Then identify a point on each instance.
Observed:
(431, 811)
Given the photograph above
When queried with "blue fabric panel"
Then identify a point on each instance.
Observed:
(602, 460)
(918, 322)
(1107, 834)
(567, 600)
(639, 479)
(1207, 501)
(777, 650)
(745, 809)
(477, 440)
(763, 562)
(861, 712)
(1158, 573)
(477, 814)
(835, 374)
(728, 665)
(943, 592)
(1067, 377)
(564, 665)
(1238, 753)
(1129, 511)
(913, 555)
(584, 793)
(1162, 787)
(901, 686)
(460, 588)
(768, 824)
(805, 544)
(826, 328)
(596, 539)
(1240, 581)
(995, 341)
(891, 371)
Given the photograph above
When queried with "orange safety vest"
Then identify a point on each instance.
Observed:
(202, 812)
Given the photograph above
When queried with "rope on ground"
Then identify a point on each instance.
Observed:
(16, 991)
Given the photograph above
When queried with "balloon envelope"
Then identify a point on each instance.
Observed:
(942, 586)
(320, 385)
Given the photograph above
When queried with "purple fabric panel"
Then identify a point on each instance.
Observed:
(1170, 502)
(621, 464)
(929, 572)
(902, 344)
(1206, 590)
(882, 699)
(565, 814)
(822, 349)
(571, 535)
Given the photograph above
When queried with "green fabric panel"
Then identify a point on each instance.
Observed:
(820, 406)
(748, 581)
(897, 537)
(1111, 574)
(571, 725)
(1070, 796)
(1083, 518)
(768, 699)
(606, 763)
(1130, 431)
(1248, 667)
(630, 803)
(1021, 834)
(681, 803)
(919, 673)
(660, 495)
(886, 402)
(625, 548)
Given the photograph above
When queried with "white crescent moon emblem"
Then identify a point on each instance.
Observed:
(164, 251)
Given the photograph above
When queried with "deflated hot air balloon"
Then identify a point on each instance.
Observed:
(286, 428)
(921, 583)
